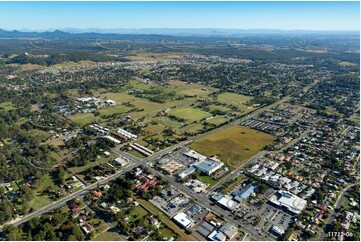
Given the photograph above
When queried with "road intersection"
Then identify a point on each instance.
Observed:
(146, 162)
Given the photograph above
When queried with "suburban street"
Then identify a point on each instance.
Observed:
(64, 200)
(202, 199)
(332, 217)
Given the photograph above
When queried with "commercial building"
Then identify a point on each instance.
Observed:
(196, 208)
(245, 193)
(208, 166)
(112, 139)
(225, 201)
(229, 230)
(195, 155)
(186, 172)
(141, 149)
(120, 162)
(197, 186)
(203, 163)
(278, 231)
(205, 229)
(183, 220)
(289, 201)
(217, 236)
(126, 134)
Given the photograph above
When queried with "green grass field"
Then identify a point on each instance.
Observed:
(233, 183)
(40, 134)
(165, 232)
(171, 123)
(233, 145)
(218, 120)
(191, 114)
(137, 154)
(39, 202)
(79, 169)
(114, 109)
(155, 129)
(83, 119)
(137, 213)
(213, 107)
(193, 128)
(46, 182)
(107, 236)
(14, 186)
(237, 100)
(56, 156)
(194, 89)
(118, 97)
(207, 179)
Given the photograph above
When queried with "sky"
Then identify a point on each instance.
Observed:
(238, 15)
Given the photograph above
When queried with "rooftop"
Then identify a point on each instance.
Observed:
(286, 199)
(183, 220)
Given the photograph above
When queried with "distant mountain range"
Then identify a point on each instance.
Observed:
(204, 32)
(196, 32)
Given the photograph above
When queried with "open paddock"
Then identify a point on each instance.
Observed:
(233, 145)
(237, 100)
(83, 119)
(191, 114)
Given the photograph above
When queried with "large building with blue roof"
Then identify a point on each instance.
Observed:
(245, 193)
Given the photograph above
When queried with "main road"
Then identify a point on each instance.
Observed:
(64, 200)
(145, 162)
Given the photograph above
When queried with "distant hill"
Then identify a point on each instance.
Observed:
(67, 35)
(153, 33)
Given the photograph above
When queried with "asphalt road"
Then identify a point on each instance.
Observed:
(145, 162)
(206, 203)
(332, 217)
(64, 200)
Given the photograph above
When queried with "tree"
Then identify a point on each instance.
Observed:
(168, 131)
(61, 175)
(2, 191)
(92, 235)
(72, 238)
(12, 233)
(59, 218)
(78, 233)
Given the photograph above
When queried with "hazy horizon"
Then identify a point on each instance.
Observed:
(286, 16)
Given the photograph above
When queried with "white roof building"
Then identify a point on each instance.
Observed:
(112, 139)
(197, 186)
(119, 161)
(183, 220)
(227, 202)
(253, 168)
(261, 171)
(110, 102)
(284, 181)
(187, 172)
(208, 166)
(195, 155)
(217, 236)
(277, 230)
(127, 134)
(289, 201)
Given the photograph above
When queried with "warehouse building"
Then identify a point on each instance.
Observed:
(288, 201)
